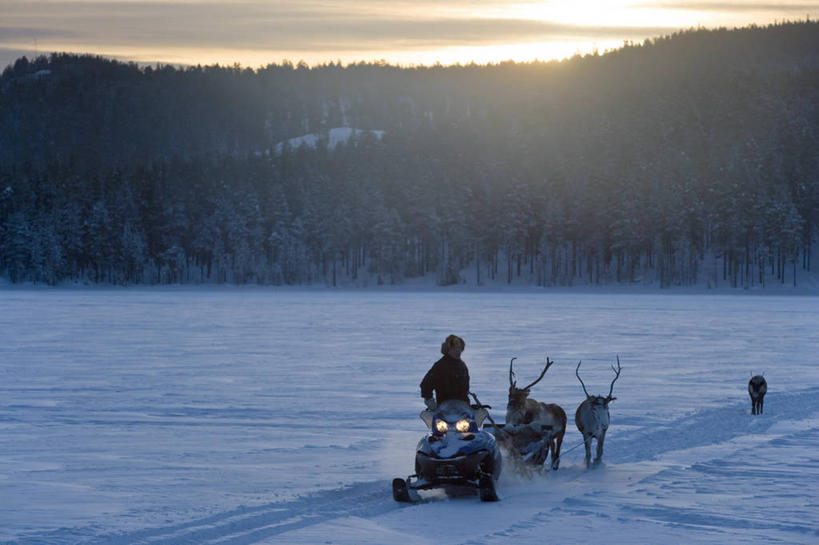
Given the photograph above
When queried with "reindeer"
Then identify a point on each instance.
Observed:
(524, 414)
(592, 416)
(757, 387)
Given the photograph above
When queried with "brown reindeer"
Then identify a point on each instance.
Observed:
(592, 416)
(525, 416)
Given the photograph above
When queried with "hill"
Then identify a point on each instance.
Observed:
(689, 159)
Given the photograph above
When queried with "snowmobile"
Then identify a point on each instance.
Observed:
(457, 455)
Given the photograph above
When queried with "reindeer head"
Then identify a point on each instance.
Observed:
(595, 417)
(757, 386)
(516, 405)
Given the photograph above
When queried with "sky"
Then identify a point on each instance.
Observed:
(407, 32)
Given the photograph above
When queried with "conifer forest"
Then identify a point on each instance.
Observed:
(691, 159)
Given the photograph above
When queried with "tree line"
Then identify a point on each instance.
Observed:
(686, 159)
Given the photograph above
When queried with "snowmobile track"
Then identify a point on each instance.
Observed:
(244, 525)
(248, 525)
(253, 524)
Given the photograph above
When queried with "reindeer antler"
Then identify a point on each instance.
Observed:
(616, 376)
(548, 364)
(577, 374)
(511, 373)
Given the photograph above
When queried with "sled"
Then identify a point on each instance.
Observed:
(527, 446)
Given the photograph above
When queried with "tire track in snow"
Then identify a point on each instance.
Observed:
(709, 427)
(251, 525)
(247, 525)
(244, 525)
(713, 426)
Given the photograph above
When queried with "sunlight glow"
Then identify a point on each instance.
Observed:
(407, 32)
(484, 54)
(587, 13)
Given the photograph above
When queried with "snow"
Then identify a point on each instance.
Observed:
(333, 137)
(254, 415)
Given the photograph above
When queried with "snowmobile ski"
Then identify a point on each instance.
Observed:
(403, 493)
(486, 489)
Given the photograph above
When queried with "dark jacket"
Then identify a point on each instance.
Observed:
(449, 378)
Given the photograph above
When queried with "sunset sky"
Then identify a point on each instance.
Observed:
(255, 33)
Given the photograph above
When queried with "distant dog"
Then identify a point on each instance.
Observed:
(756, 389)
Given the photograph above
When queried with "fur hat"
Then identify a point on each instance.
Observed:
(452, 340)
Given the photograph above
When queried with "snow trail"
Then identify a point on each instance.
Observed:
(570, 492)
(243, 525)
(709, 426)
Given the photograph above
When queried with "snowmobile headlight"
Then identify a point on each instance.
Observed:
(441, 426)
(462, 425)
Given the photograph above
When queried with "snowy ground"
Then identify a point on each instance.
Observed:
(239, 416)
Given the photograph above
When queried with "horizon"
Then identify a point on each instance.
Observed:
(255, 34)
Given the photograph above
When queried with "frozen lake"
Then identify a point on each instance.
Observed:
(280, 416)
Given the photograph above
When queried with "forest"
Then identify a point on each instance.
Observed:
(687, 159)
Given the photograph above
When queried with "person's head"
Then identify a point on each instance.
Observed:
(453, 346)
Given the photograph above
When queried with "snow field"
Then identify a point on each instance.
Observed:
(280, 416)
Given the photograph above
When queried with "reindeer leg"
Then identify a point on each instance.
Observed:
(541, 453)
(600, 441)
(587, 444)
(558, 441)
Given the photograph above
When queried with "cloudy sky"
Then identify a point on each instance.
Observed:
(255, 33)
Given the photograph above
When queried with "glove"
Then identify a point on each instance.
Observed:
(430, 403)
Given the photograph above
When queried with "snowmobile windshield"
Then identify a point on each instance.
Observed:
(451, 415)
(454, 409)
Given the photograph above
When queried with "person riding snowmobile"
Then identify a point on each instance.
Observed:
(448, 377)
